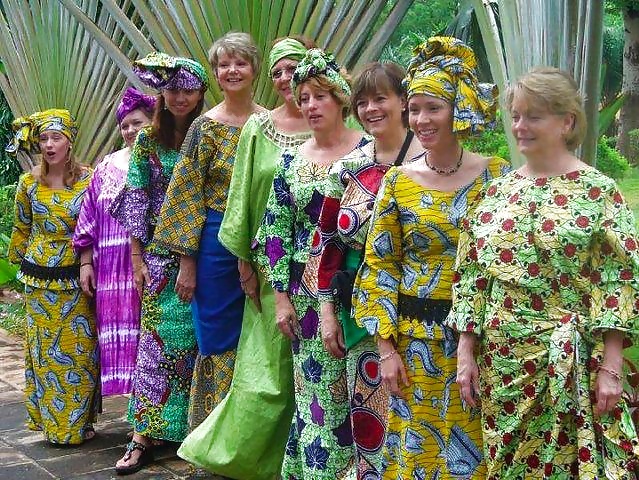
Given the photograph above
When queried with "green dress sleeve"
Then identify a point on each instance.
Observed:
(235, 232)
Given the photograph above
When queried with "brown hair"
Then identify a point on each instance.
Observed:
(235, 43)
(379, 77)
(323, 83)
(557, 91)
(163, 124)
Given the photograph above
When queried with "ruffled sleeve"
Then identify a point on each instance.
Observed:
(615, 269)
(377, 283)
(131, 207)
(22, 219)
(276, 235)
(85, 233)
(235, 232)
(183, 213)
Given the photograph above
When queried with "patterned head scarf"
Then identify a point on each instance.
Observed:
(317, 62)
(444, 67)
(164, 72)
(132, 100)
(28, 129)
(286, 48)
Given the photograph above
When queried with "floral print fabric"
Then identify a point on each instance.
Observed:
(545, 266)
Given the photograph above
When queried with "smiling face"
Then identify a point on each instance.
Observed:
(131, 125)
(234, 73)
(319, 107)
(281, 74)
(54, 147)
(181, 102)
(380, 112)
(538, 132)
(431, 119)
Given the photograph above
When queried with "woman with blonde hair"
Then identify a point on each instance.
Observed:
(320, 443)
(61, 353)
(166, 349)
(545, 295)
(261, 392)
(403, 289)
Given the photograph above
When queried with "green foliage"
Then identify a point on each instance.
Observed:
(9, 167)
(612, 57)
(633, 146)
(609, 160)
(7, 270)
(422, 20)
(492, 143)
(13, 317)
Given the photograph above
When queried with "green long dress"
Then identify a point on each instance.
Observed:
(245, 435)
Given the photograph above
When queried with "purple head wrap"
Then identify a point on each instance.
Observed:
(164, 72)
(132, 100)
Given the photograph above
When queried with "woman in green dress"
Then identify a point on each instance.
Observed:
(261, 391)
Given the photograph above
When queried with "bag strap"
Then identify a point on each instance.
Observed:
(404, 149)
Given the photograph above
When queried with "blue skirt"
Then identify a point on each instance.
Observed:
(218, 302)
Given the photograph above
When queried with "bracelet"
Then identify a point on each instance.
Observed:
(386, 356)
(247, 278)
(85, 264)
(610, 371)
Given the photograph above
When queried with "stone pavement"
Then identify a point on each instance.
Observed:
(24, 455)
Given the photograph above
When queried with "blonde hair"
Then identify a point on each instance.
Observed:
(322, 82)
(557, 91)
(72, 171)
(235, 43)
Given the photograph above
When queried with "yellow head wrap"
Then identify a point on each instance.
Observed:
(444, 67)
(27, 129)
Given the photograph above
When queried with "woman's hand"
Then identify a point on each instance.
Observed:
(87, 279)
(393, 370)
(467, 370)
(185, 282)
(285, 315)
(332, 335)
(609, 385)
(141, 275)
(249, 283)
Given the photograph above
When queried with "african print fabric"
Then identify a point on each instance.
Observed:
(261, 391)
(167, 348)
(211, 381)
(117, 303)
(320, 444)
(402, 292)
(61, 357)
(545, 266)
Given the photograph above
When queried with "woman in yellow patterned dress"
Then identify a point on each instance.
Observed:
(191, 216)
(61, 356)
(403, 290)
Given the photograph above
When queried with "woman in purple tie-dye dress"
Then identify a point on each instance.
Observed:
(105, 248)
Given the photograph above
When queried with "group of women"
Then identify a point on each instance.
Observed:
(291, 297)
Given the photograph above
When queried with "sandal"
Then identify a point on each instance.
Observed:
(157, 442)
(145, 458)
(89, 434)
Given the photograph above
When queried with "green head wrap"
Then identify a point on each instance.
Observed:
(286, 48)
(317, 62)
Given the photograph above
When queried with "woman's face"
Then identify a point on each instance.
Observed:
(54, 146)
(537, 131)
(131, 125)
(319, 107)
(181, 102)
(282, 74)
(234, 73)
(431, 119)
(380, 112)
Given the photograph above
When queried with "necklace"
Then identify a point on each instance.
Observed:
(445, 171)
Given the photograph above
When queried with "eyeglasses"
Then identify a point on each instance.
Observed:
(277, 74)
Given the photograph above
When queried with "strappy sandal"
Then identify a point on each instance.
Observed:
(145, 458)
(89, 434)
(157, 442)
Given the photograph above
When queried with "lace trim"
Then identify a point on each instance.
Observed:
(281, 139)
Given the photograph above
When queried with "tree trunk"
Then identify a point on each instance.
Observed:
(629, 117)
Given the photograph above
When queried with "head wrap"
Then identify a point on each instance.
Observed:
(444, 67)
(317, 62)
(164, 72)
(286, 48)
(132, 100)
(28, 129)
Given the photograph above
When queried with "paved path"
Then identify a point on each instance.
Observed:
(24, 455)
